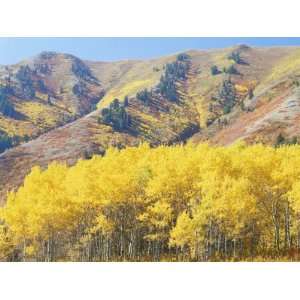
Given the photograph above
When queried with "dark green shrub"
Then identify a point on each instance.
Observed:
(214, 70)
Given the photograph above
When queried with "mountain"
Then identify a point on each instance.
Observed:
(58, 107)
(45, 92)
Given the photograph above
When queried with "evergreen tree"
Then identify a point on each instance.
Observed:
(5, 141)
(126, 101)
(6, 108)
(24, 77)
(227, 95)
(231, 70)
(280, 140)
(183, 57)
(214, 70)
(116, 116)
(144, 96)
(236, 57)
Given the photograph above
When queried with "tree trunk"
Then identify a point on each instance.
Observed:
(287, 240)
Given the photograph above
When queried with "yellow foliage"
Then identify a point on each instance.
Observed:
(287, 65)
(181, 233)
(138, 202)
(241, 89)
(131, 88)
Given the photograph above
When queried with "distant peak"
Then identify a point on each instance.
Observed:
(47, 54)
(243, 47)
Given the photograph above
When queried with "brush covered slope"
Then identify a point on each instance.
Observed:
(45, 92)
(70, 109)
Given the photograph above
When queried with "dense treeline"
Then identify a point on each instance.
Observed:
(167, 87)
(24, 77)
(236, 57)
(169, 203)
(227, 95)
(174, 72)
(6, 108)
(144, 96)
(116, 115)
(7, 141)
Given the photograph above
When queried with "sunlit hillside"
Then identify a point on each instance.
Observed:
(56, 107)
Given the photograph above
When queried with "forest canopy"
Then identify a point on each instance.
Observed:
(175, 203)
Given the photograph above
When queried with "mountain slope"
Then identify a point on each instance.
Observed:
(47, 91)
(218, 96)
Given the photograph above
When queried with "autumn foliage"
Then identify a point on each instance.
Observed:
(175, 203)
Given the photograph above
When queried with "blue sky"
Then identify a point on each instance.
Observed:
(12, 50)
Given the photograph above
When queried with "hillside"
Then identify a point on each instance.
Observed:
(47, 91)
(63, 108)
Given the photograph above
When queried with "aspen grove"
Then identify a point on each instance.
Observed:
(170, 203)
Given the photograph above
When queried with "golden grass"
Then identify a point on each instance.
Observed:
(40, 114)
(288, 65)
(138, 76)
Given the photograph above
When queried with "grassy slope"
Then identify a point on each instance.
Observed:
(278, 101)
(272, 84)
(128, 77)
